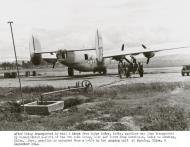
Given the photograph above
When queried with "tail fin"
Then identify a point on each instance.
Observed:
(35, 49)
(99, 46)
(34, 45)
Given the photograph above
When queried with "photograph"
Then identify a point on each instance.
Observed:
(94, 65)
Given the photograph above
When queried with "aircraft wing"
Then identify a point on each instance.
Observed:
(52, 52)
(80, 50)
(35, 47)
(52, 57)
(138, 50)
(50, 60)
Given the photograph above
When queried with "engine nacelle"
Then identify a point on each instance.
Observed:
(36, 58)
(149, 54)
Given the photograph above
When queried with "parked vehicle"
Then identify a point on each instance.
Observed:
(185, 70)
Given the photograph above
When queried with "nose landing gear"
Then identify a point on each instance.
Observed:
(70, 71)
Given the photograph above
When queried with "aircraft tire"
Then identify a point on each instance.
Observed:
(104, 71)
(127, 72)
(70, 71)
(120, 73)
(141, 74)
(120, 70)
(140, 70)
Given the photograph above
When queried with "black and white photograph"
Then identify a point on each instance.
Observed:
(105, 66)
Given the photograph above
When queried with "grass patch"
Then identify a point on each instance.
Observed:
(106, 105)
(113, 91)
(160, 87)
(112, 109)
(89, 126)
(11, 112)
(37, 89)
(118, 111)
(166, 118)
(119, 127)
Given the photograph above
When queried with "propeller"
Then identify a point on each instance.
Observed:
(122, 47)
(144, 46)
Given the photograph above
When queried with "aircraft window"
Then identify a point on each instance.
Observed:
(86, 56)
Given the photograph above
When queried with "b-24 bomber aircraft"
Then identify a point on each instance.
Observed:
(93, 59)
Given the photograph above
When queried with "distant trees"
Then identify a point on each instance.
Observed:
(7, 65)
(12, 65)
(24, 65)
(28, 64)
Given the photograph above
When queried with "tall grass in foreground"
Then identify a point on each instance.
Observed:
(166, 118)
(153, 118)
(138, 88)
(154, 115)
(37, 89)
(112, 91)
(46, 88)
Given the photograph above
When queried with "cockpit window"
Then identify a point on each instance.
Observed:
(86, 56)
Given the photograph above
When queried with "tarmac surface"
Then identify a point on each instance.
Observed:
(59, 79)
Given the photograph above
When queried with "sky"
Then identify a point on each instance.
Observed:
(71, 24)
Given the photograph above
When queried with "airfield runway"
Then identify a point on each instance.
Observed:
(58, 78)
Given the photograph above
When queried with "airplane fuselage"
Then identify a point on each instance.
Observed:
(84, 61)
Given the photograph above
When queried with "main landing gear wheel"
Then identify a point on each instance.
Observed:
(127, 72)
(141, 73)
(140, 70)
(70, 71)
(121, 70)
(104, 71)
